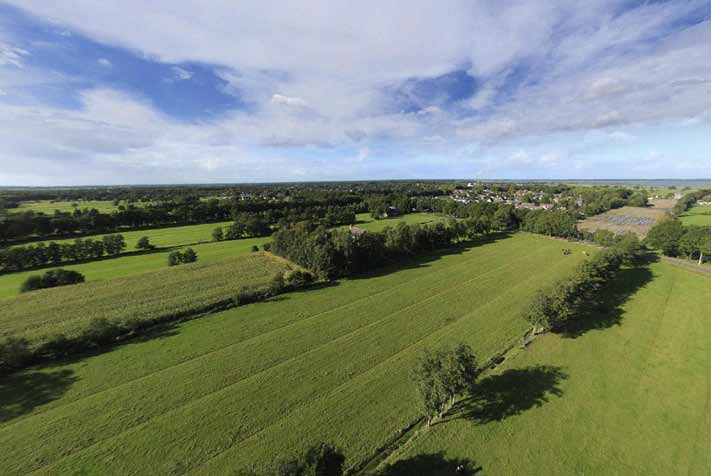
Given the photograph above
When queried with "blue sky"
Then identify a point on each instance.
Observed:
(190, 91)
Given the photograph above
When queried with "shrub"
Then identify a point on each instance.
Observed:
(267, 246)
(175, 258)
(218, 234)
(52, 278)
(189, 256)
(144, 243)
(254, 248)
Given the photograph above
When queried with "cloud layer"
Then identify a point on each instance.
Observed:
(339, 90)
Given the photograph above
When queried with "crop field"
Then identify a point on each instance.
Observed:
(166, 292)
(177, 238)
(628, 398)
(49, 206)
(242, 387)
(638, 220)
(698, 215)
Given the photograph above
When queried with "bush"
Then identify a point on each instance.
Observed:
(144, 243)
(218, 234)
(267, 246)
(254, 248)
(51, 279)
(189, 256)
(176, 257)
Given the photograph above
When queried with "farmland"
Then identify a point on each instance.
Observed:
(49, 206)
(698, 215)
(630, 397)
(227, 391)
(151, 295)
(175, 238)
(637, 220)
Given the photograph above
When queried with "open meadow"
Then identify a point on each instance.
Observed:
(229, 390)
(170, 239)
(628, 396)
(698, 215)
(49, 206)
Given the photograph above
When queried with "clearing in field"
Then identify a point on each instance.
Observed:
(638, 220)
(630, 397)
(246, 386)
(49, 206)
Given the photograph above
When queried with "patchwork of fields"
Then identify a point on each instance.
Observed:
(231, 390)
(627, 399)
(638, 220)
(177, 238)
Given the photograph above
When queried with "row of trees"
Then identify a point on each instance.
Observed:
(675, 239)
(689, 200)
(19, 258)
(553, 307)
(339, 252)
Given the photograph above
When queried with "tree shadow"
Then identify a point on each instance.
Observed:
(21, 392)
(510, 393)
(434, 464)
(605, 310)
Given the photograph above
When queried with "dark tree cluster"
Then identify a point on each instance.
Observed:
(182, 257)
(51, 279)
(322, 459)
(334, 253)
(675, 239)
(19, 258)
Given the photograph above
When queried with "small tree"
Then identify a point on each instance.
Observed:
(320, 460)
(144, 243)
(189, 256)
(175, 258)
(218, 234)
(254, 248)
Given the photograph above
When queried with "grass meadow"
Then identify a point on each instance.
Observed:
(49, 206)
(698, 215)
(196, 236)
(149, 296)
(629, 396)
(242, 387)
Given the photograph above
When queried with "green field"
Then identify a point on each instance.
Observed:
(209, 252)
(365, 221)
(49, 206)
(149, 296)
(248, 385)
(627, 399)
(698, 215)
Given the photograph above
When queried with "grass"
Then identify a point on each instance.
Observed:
(150, 296)
(698, 215)
(621, 220)
(365, 221)
(49, 206)
(630, 398)
(180, 237)
(254, 383)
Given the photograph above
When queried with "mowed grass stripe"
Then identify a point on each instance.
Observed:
(429, 276)
(221, 400)
(360, 387)
(251, 353)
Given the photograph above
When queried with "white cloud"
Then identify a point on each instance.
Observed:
(288, 101)
(182, 74)
(104, 62)
(12, 55)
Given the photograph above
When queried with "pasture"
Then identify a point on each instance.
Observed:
(49, 206)
(159, 294)
(245, 386)
(169, 239)
(698, 215)
(629, 396)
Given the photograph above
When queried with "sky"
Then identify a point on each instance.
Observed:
(195, 91)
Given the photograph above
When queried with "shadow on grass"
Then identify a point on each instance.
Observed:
(606, 310)
(510, 393)
(435, 464)
(425, 259)
(20, 393)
